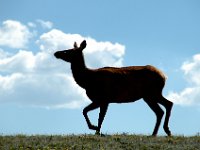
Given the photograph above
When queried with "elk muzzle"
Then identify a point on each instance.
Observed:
(57, 54)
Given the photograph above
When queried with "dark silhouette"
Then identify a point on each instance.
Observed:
(118, 85)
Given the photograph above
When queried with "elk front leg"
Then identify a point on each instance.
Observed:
(90, 107)
(102, 113)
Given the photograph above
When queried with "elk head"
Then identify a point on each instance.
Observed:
(71, 54)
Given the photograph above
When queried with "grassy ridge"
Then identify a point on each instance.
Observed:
(92, 142)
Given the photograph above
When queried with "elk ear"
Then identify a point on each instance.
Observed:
(83, 45)
(75, 45)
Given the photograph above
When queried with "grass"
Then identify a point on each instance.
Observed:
(94, 142)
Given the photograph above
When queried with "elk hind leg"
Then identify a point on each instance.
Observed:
(159, 114)
(168, 106)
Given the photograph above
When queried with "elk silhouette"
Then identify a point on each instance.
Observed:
(118, 85)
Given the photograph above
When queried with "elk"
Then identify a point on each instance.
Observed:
(118, 85)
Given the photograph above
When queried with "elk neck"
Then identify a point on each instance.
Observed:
(80, 71)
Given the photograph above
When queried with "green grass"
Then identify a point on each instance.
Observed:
(94, 142)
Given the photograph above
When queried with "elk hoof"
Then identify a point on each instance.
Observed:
(168, 132)
(153, 135)
(97, 133)
(92, 127)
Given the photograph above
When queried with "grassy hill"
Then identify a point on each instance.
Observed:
(94, 142)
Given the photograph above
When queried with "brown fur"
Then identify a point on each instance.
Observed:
(118, 85)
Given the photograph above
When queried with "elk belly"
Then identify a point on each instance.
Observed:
(124, 95)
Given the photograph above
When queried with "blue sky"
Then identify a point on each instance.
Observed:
(38, 94)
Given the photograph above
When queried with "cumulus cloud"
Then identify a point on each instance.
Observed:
(39, 79)
(31, 24)
(190, 95)
(41, 23)
(97, 53)
(14, 34)
(45, 24)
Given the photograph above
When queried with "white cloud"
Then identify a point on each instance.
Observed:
(39, 79)
(45, 24)
(31, 24)
(97, 54)
(191, 94)
(14, 34)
